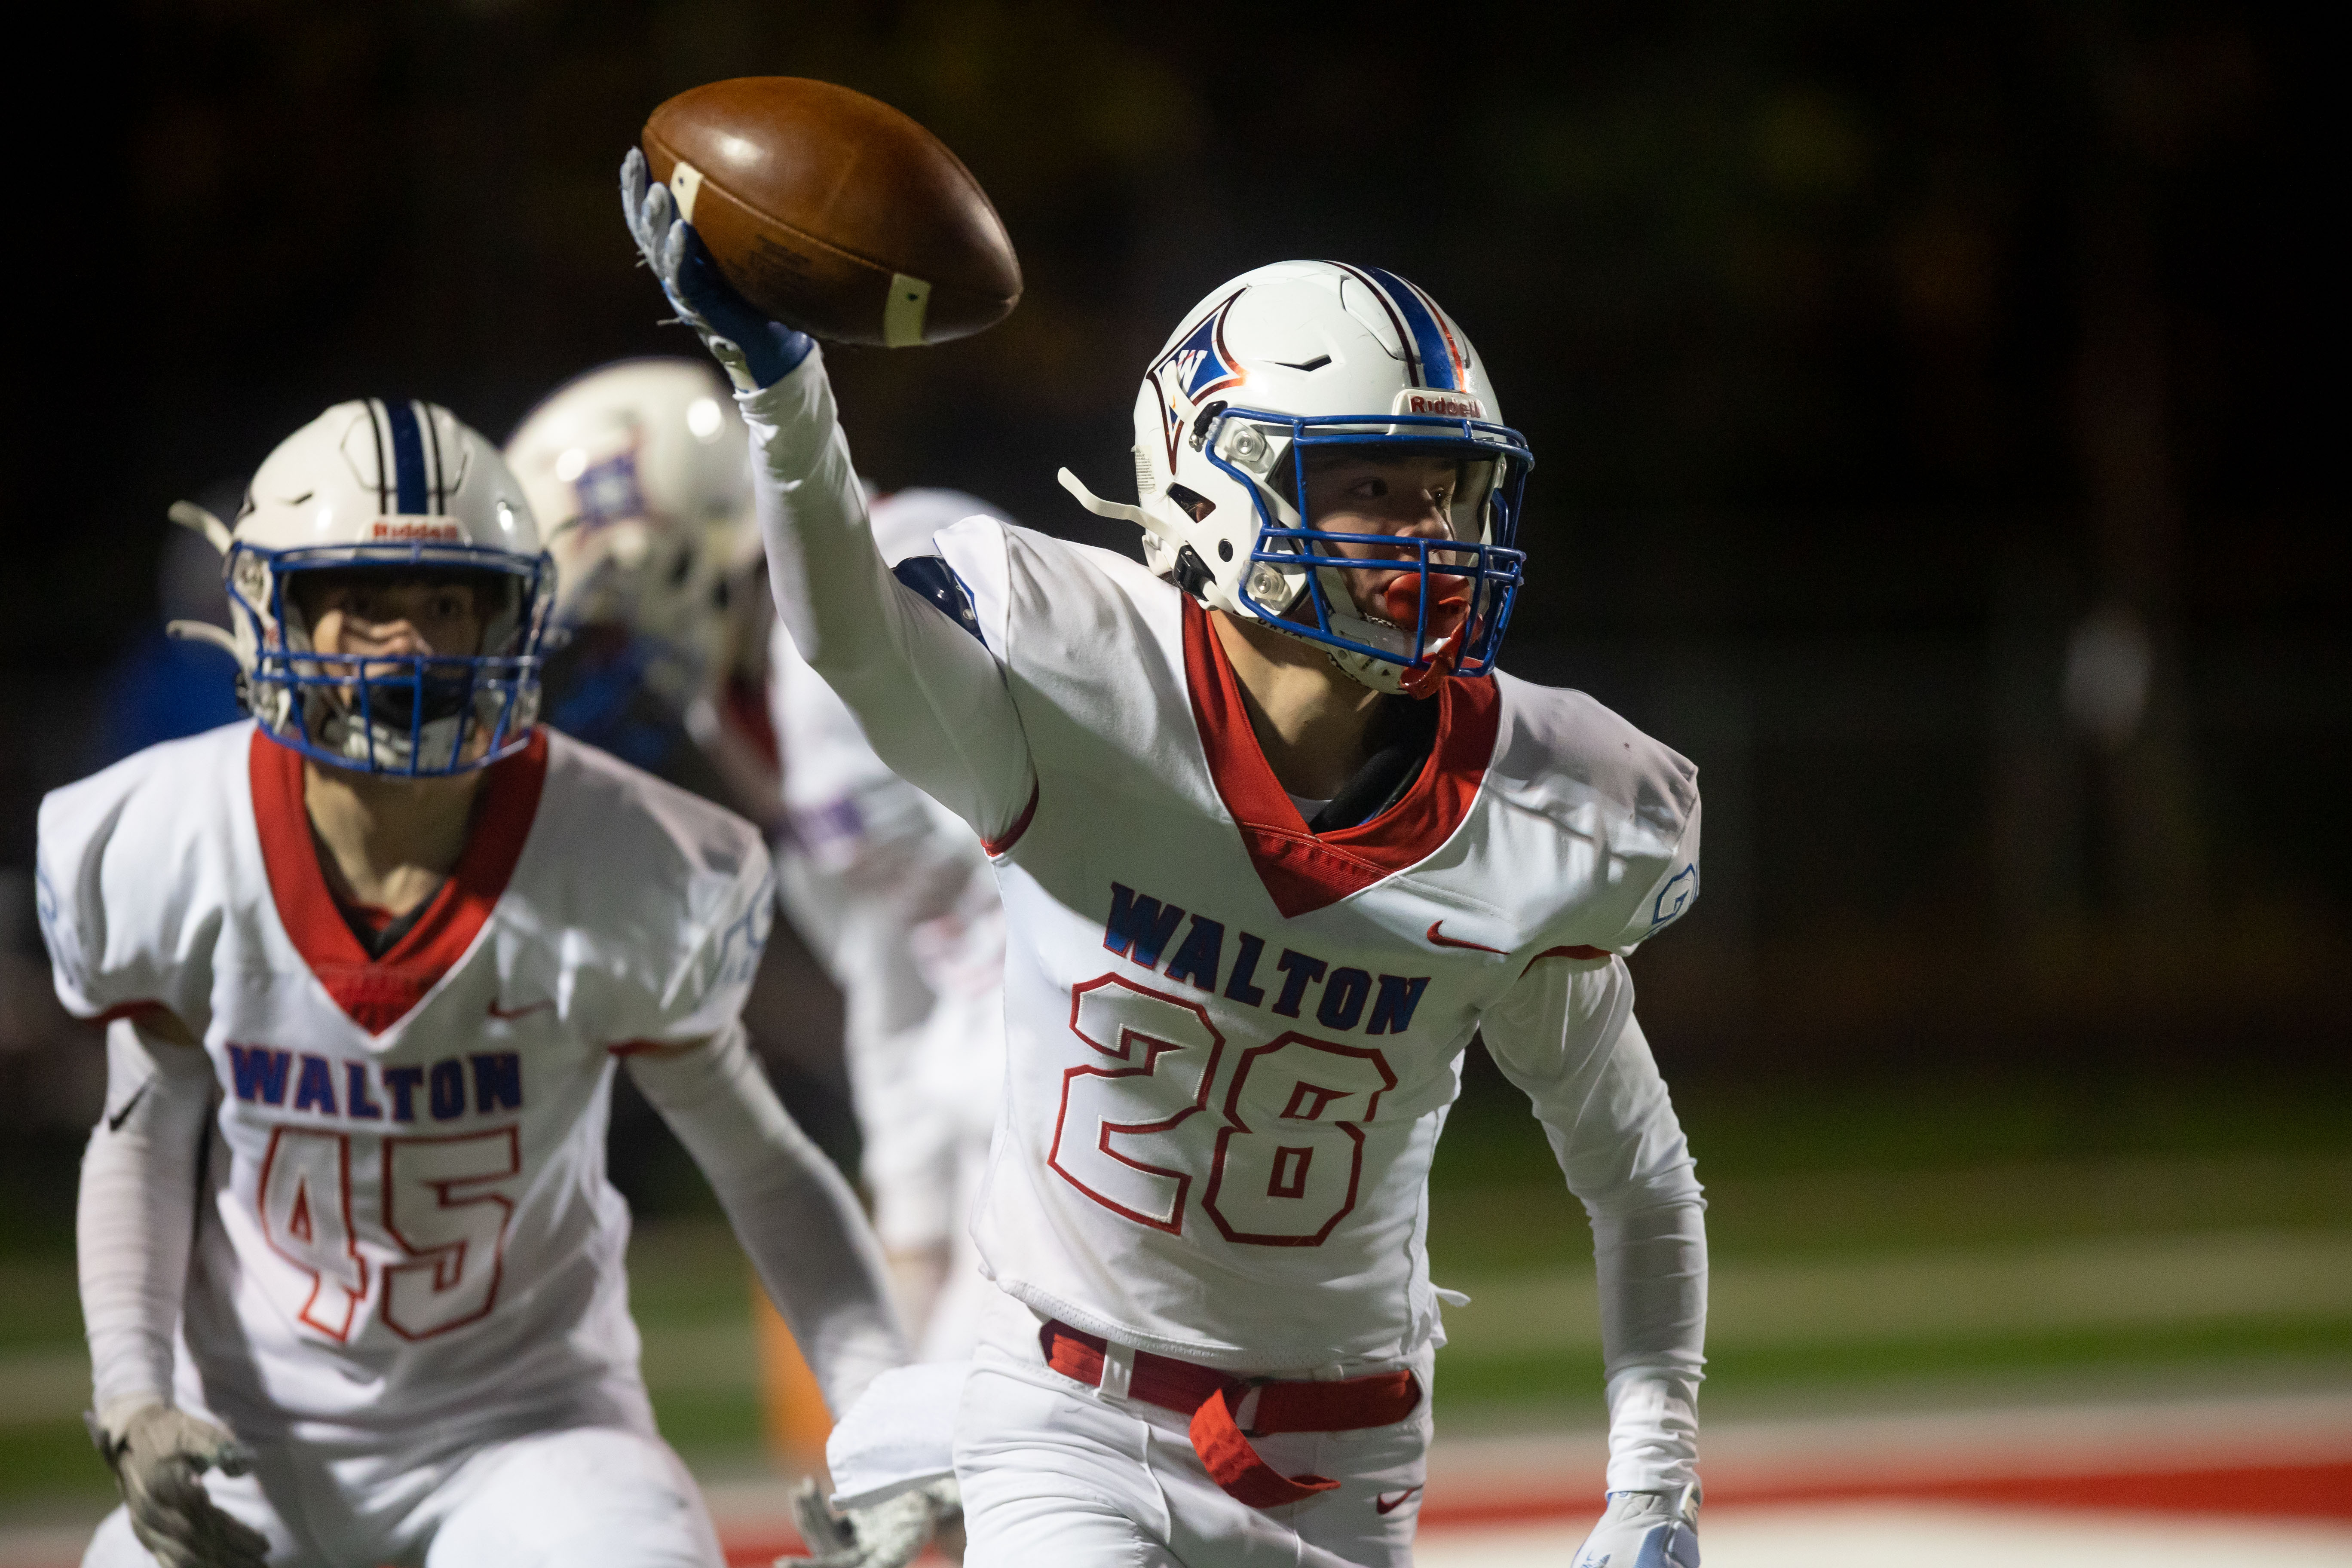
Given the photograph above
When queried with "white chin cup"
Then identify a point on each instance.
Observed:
(380, 746)
(1380, 674)
(1349, 620)
(384, 747)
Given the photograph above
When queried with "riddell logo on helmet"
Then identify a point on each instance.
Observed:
(1444, 404)
(417, 531)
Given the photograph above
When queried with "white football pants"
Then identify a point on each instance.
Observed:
(586, 1496)
(1055, 1473)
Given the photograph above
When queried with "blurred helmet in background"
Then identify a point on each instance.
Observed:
(1299, 357)
(407, 489)
(639, 472)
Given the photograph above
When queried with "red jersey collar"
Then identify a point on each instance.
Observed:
(378, 993)
(1304, 871)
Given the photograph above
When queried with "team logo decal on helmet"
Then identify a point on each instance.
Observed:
(609, 492)
(1304, 364)
(376, 493)
(1194, 370)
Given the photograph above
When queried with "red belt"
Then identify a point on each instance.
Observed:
(1212, 1397)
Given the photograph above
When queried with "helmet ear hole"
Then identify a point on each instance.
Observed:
(1196, 505)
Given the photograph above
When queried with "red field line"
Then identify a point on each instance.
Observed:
(2275, 1491)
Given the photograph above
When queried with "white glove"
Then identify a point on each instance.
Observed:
(890, 1534)
(1645, 1530)
(157, 1457)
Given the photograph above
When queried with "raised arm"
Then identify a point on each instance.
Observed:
(929, 695)
(1566, 1035)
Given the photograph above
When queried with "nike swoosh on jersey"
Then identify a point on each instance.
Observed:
(114, 1122)
(1389, 1504)
(1441, 941)
(503, 1014)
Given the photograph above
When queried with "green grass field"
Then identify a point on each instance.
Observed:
(1931, 1247)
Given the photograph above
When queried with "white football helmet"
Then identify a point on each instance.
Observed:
(403, 487)
(640, 474)
(1302, 355)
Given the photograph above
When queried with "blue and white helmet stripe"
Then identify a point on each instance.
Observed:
(1430, 345)
(411, 482)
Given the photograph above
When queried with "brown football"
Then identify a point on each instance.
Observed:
(833, 212)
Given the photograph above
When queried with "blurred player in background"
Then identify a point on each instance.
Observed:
(369, 964)
(641, 470)
(1275, 840)
(638, 474)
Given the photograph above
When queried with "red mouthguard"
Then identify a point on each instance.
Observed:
(1401, 603)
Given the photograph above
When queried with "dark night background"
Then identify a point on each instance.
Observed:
(1904, 382)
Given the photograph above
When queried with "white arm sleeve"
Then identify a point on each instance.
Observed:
(1566, 1036)
(931, 697)
(136, 1215)
(791, 1209)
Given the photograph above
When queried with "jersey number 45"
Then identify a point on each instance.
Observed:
(433, 1208)
(1281, 1151)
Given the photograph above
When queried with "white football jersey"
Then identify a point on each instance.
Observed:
(405, 1212)
(1234, 1042)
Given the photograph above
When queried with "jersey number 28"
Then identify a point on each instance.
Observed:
(1281, 1146)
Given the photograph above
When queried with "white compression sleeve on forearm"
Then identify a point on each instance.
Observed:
(136, 1217)
(1567, 1035)
(791, 1209)
(929, 697)
(1652, 1277)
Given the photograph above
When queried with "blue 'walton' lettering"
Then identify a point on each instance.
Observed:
(261, 1075)
(1142, 927)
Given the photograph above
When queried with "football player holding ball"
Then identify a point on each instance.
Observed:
(1275, 839)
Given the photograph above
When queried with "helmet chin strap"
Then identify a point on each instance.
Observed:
(198, 520)
(201, 523)
(204, 631)
(1117, 511)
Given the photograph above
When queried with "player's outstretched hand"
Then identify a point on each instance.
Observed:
(754, 350)
(890, 1534)
(159, 1456)
(1645, 1530)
